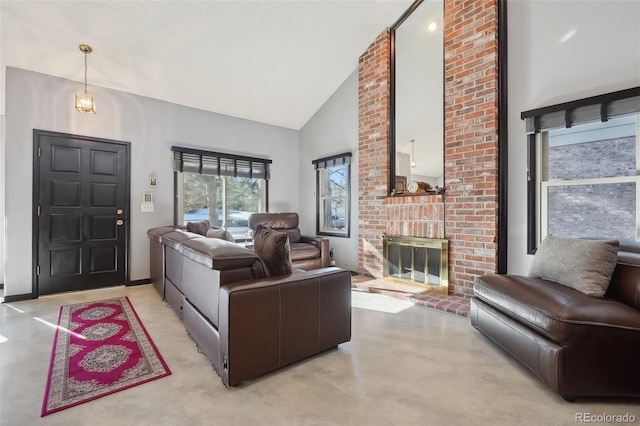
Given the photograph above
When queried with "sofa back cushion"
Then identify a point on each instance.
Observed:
(584, 265)
(283, 222)
(274, 220)
(220, 233)
(293, 233)
(625, 283)
(217, 254)
(273, 248)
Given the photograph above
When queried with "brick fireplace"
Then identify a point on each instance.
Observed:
(467, 214)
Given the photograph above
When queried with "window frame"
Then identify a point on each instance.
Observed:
(544, 183)
(540, 120)
(211, 157)
(321, 165)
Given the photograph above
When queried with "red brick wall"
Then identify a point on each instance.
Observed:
(471, 126)
(467, 214)
(373, 139)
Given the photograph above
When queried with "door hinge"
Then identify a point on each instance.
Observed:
(38, 211)
(38, 270)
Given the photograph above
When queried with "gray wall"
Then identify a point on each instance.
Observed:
(2, 184)
(561, 51)
(44, 102)
(333, 129)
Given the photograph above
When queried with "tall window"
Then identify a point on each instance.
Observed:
(222, 188)
(584, 178)
(333, 195)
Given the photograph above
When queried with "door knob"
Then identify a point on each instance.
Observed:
(119, 211)
(119, 222)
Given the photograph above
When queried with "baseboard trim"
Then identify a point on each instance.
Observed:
(18, 297)
(139, 282)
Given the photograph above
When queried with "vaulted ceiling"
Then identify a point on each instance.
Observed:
(275, 62)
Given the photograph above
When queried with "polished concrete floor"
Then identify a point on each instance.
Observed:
(405, 365)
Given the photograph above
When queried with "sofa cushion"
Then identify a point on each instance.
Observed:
(585, 265)
(273, 248)
(175, 238)
(552, 309)
(274, 220)
(199, 227)
(157, 233)
(293, 233)
(300, 251)
(217, 254)
(283, 222)
(220, 233)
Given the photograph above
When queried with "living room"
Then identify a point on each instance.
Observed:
(588, 49)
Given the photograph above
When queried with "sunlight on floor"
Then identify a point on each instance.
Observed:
(378, 302)
(13, 307)
(80, 336)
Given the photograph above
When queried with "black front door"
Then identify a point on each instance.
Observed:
(81, 192)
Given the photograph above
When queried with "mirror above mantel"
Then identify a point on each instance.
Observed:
(417, 101)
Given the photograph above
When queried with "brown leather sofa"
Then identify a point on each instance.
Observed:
(306, 252)
(245, 322)
(579, 345)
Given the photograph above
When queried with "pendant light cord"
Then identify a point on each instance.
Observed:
(85, 72)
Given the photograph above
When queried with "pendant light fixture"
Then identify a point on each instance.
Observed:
(84, 101)
(413, 155)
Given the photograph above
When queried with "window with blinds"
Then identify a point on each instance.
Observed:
(333, 195)
(224, 189)
(583, 170)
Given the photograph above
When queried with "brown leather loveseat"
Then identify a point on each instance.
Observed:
(246, 322)
(307, 252)
(577, 344)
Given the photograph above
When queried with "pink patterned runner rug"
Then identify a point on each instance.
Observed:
(99, 348)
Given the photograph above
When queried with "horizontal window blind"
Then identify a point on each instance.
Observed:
(334, 160)
(216, 163)
(596, 108)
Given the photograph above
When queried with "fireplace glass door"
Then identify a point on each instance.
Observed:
(417, 260)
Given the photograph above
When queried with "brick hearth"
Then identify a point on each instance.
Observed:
(416, 294)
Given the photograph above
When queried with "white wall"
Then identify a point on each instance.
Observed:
(333, 129)
(44, 102)
(2, 183)
(561, 51)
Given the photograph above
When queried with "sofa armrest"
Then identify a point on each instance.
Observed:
(320, 242)
(268, 323)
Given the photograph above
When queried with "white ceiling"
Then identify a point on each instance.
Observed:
(275, 62)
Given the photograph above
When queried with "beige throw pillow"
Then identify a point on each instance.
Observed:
(584, 265)
(220, 233)
(273, 248)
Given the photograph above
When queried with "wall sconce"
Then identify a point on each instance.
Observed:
(413, 155)
(84, 101)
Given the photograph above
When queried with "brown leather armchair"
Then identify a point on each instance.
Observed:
(579, 345)
(306, 252)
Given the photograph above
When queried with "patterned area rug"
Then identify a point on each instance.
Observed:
(99, 348)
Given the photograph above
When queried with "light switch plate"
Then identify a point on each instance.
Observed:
(146, 207)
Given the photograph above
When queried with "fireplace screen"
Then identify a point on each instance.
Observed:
(418, 260)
